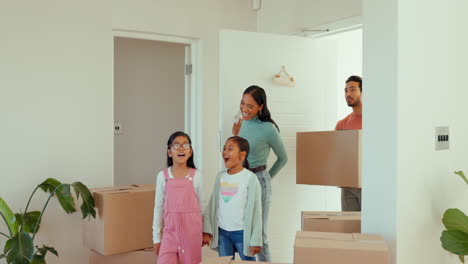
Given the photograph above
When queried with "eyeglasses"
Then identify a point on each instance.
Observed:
(177, 146)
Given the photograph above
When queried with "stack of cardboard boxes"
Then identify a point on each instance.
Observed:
(333, 158)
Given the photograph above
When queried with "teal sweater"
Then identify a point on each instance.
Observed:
(262, 136)
(252, 218)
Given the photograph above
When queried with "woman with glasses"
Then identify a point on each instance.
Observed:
(256, 125)
(179, 200)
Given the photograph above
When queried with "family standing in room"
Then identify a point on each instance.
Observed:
(236, 217)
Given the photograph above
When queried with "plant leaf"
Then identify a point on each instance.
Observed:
(462, 258)
(9, 218)
(462, 175)
(38, 259)
(49, 185)
(454, 219)
(44, 249)
(87, 208)
(19, 249)
(19, 218)
(63, 194)
(2, 256)
(455, 241)
(66, 199)
(29, 220)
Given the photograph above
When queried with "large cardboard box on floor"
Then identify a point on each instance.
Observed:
(124, 219)
(227, 260)
(331, 158)
(338, 248)
(146, 256)
(339, 222)
(208, 253)
(137, 257)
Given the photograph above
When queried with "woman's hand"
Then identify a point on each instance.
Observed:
(236, 127)
(206, 239)
(255, 250)
(156, 247)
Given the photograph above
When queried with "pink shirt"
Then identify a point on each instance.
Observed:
(352, 121)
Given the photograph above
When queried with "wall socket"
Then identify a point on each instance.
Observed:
(117, 128)
(441, 138)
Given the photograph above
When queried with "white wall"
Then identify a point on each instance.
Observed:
(253, 58)
(433, 62)
(56, 108)
(57, 93)
(291, 16)
(416, 67)
(149, 101)
(379, 150)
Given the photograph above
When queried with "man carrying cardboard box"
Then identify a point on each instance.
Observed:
(351, 197)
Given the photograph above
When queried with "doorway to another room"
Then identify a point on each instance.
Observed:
(155, 94)
(319, 65)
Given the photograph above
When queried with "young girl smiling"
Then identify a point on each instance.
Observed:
(178, 199)
(233, 219)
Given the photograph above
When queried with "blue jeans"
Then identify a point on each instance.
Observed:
(230, 242)
(265, 182)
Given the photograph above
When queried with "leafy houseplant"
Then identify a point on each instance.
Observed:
(455, 238)
(23, 227)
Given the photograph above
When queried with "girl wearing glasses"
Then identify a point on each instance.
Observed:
(179, 200)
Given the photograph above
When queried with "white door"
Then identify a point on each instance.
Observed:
(248, 58)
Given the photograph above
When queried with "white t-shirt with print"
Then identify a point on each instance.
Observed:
(233, 199)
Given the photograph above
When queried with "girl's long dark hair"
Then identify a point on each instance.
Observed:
(243, 145)
(259, 95)
(170, 162)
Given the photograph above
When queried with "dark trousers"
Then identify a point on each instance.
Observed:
(350, 199)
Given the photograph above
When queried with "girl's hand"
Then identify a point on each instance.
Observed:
(206, 239)
(236, 127)
(255, 250)
(156, 247)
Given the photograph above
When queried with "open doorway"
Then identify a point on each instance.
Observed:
(319, 66)
(155, 94)
(349, 62)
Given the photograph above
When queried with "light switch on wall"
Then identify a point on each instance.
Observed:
(441, 138)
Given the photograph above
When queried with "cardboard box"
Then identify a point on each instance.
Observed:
(139, 256)
(338, 248)
(331, 158)
(216, 260)
(339, 222)
(145, 256)
(124, 219)
(227, 260)
(208, 253)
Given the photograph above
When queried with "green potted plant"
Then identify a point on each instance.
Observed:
(23, 227)
(455, 238)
